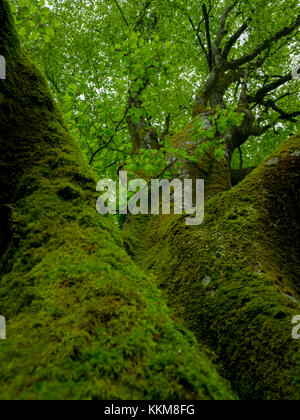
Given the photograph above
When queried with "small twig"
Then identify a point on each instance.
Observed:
(121, 11)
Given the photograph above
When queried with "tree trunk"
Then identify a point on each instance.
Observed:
(235, 279)
(215, 172)
(83, 321)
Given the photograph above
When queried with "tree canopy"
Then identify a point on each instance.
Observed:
(114, 61)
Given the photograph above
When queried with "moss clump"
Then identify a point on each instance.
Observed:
(83, 321)
(235, 279)
(68, 192)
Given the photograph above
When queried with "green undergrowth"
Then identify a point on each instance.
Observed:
(83, 321)
(235, 279)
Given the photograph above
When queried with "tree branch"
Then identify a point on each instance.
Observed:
(241, 157)
(167, 127)
(111, 138)
(110, 165)
(221, 31)
(208, 38)
(259, 131)
(142, 14)
(261, 93)
(121, 11)
(283, 115)
(234, 39)
(199, 39)
(265, 45)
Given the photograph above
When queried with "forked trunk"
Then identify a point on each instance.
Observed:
(83, 321)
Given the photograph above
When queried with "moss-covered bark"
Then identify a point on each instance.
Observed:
(235, 279)
(217, 173)
(83, 321)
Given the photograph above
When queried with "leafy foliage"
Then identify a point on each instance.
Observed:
(97, 54)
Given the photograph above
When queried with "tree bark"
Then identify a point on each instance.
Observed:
(83, 321)
(237, 175)
(215, 172)
(235, 279)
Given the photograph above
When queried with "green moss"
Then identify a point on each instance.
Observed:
(68, 192)
(83, 321)
(235, 279)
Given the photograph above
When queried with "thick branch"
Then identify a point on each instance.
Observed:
(261, 93)
(259, 131)
(208, 38)
(167, 127)
(221, 30)
(234, 39)
(282, 114)
(265, 45)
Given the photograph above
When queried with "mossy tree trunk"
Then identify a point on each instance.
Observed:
(83, 321)
(235, 279)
